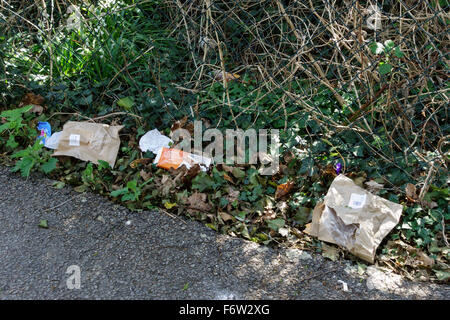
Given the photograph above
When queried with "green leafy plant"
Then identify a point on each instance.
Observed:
(388, 50)
(15, 127)
(131, 192)
(33, 157)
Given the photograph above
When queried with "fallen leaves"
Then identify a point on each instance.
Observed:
(183, 124)
(276, 224)
(35, 101)
(191, 174)
(145, 175)
(31, 98)
(169, 205)
(283, 189)
(411, 192)
(413, 257)
(142, 161)
(330, 252)
(226, 216)
(199, 201)
(373, 186)
(219, 75)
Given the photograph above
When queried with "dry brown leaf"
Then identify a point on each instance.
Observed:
(226, 168)
(283, 189)
(145, 175)
(329, 170)
(219, 75)
(191, 174)
(137, 162)
(416, 258)
(373, 186)
(411, 192)
(31, 98)
(199, 201)
(232, 195)
(226, 216)
(330, 252)
(37, 109)
(228, 178)
(167, 184)
(183, 124)
(179, 124)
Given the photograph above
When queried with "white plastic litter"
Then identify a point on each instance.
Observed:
(344, 285)
(174, 158)
(374, 20)
(53, 141)
(153, 141)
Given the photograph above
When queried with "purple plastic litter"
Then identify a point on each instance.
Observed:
(338, 168)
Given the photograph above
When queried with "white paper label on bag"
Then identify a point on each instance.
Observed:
(357, 201)
(74, 140)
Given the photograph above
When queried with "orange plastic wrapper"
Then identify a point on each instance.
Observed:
(170, 158)
(174, 158)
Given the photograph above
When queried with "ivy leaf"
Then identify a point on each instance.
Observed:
(376, 48)
(303, 215)
(388, 45)
(202, 182)
(58, 185)
(103, 165)
(385, 68)
(276, 224)
(238, 173)
(442, 275)
(241, 216)
(49, 166)
(398, 53)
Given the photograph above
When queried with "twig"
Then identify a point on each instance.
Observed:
(427, 182)
(59, 205)
(443, 232)
(97, 118)
(319, 274)
(172, 216)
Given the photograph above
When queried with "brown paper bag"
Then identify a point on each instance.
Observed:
(353, 218)
(89, 142)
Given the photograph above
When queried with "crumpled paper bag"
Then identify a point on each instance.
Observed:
(89, 142)
(353, 218)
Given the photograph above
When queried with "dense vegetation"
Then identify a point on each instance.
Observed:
(374, 102)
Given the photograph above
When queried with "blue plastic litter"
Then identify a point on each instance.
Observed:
(45, 131)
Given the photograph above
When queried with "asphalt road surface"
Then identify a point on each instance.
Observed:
(149, 255)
